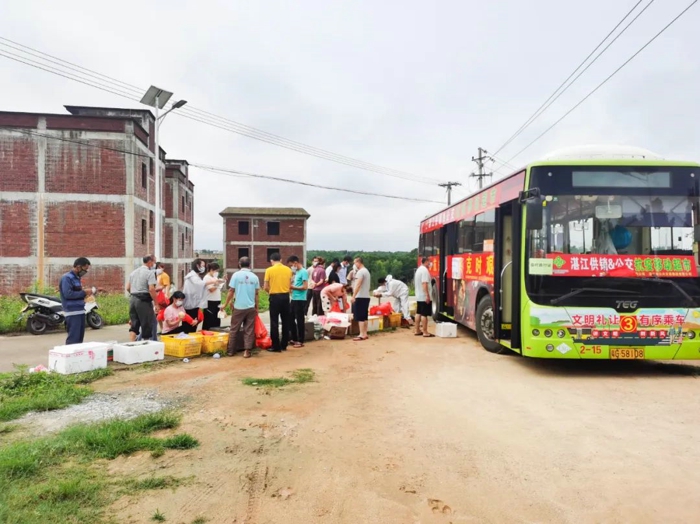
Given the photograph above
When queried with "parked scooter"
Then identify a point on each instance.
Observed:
(47, 312)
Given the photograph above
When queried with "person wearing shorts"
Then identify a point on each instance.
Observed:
(330, 295)
(424, 308)
(360, 297)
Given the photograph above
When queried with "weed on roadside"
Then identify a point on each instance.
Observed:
(158, 516)
(200, 520)
(52, 479)
(22, 392)
(7, 428)
(299, 376)
(152, 483)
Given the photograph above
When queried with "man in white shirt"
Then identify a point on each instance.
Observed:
(343, 270)
(424, 308)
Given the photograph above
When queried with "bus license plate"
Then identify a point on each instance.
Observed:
(626, 354)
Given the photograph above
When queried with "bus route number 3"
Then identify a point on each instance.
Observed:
(595, 350)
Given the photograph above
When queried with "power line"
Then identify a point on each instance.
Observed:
(554, 96)
(308, 184)
(606, 80)
(225, 171)
(479, 161)
(133, 93)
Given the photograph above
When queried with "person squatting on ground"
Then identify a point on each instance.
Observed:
(73, 300)
(424, 308)
(143, 301)
(331, 294)
(398, 292)
(195, 292)
(300, 282)
(278, 281)
(361, 297)
(244, 290)
(175, 317)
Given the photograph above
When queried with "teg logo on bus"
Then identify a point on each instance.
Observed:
(626, 304)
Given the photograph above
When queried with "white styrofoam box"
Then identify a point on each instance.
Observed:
(136, 352)
(78, 358)
(446, 330)
(374, 323)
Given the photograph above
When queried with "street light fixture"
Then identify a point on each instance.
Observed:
(157, 98)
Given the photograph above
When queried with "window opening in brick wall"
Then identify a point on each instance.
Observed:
(151, 219)
(144, 176)
(182, 243)
(144, 231)
(271, 251)
(243, 252)
(243, 227)
(152, 171)
(183, 204)
(273, 228)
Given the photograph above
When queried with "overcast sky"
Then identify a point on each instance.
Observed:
(414, 86)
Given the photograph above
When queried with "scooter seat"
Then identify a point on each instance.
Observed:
(54, 299)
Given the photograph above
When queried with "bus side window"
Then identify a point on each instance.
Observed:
(465, 239)
(421, 245)
(484, 229)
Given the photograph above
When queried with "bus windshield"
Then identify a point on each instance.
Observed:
(616, 228)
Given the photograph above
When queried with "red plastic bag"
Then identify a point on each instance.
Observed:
(161, 300)
(161, 315)
(381, 310)
(200, 315)
(264, 342)
(335, 308)
(260, 329)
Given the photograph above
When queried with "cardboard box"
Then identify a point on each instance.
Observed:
(337, 332)
(137, 352)
(354, 329)
(446, 330)
(78, 358)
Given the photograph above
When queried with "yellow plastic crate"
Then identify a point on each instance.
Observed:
(392, 321)
(214, 342)
(182, 347)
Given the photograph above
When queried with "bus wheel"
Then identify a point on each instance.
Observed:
(485, 328)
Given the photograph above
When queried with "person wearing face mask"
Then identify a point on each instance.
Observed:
(174, 315)
(318, 279)
(310, 288)
(73, 300)
(144, 299)
(212, 283)
(195, 292)
(343, 270)
(300, 283)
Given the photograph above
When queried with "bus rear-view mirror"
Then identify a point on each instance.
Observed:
(534, 213)
(697, 233)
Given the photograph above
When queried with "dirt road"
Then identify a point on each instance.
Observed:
(405, 430)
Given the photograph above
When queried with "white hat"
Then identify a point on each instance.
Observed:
(389, 278)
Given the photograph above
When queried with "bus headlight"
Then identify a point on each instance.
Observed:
(561, 333)
(535, 332)
(690, 335)
(549, 347)
(547, 333)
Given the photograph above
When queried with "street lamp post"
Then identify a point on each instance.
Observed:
(157, 98)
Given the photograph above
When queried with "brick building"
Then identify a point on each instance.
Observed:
(257, 232)
(178, 234)
(83, 184)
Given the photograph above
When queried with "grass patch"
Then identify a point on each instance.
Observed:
(200, 520)
(299, 376)
(22, 392)
(158, 516)
(7, 428)
(153, 483)
(52, 479)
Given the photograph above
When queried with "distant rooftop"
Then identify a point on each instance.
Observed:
(265, 211)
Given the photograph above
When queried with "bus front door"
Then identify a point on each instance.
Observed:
(506, 271)
(447, 249)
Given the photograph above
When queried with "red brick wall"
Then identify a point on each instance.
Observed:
(260, 254)
(16, 278)
(291, 230)
(15, 120)
(168, 199)
(75, 168)
(168, 241)
(89, 229)
(141, 249)
(18, 164)
(85, 124)
(104, 278)
(16, 229)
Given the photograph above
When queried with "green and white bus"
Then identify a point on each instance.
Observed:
(591, 252)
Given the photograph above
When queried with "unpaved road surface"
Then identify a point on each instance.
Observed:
(401, 430)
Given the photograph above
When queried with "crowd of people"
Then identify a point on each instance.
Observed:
(295, 292)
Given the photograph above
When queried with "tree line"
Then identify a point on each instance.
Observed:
(398, 264)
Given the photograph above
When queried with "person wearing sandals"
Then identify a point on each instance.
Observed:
(424, 308)
(245, 286)
(361, 297)
(300, 284)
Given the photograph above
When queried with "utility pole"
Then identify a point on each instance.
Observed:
(449, 186)
(479, 161)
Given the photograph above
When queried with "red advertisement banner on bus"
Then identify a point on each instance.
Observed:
(629, 266)
(462, 267)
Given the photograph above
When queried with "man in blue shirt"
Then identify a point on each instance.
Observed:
(245, 287)
(73, 300)
(300, 283)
